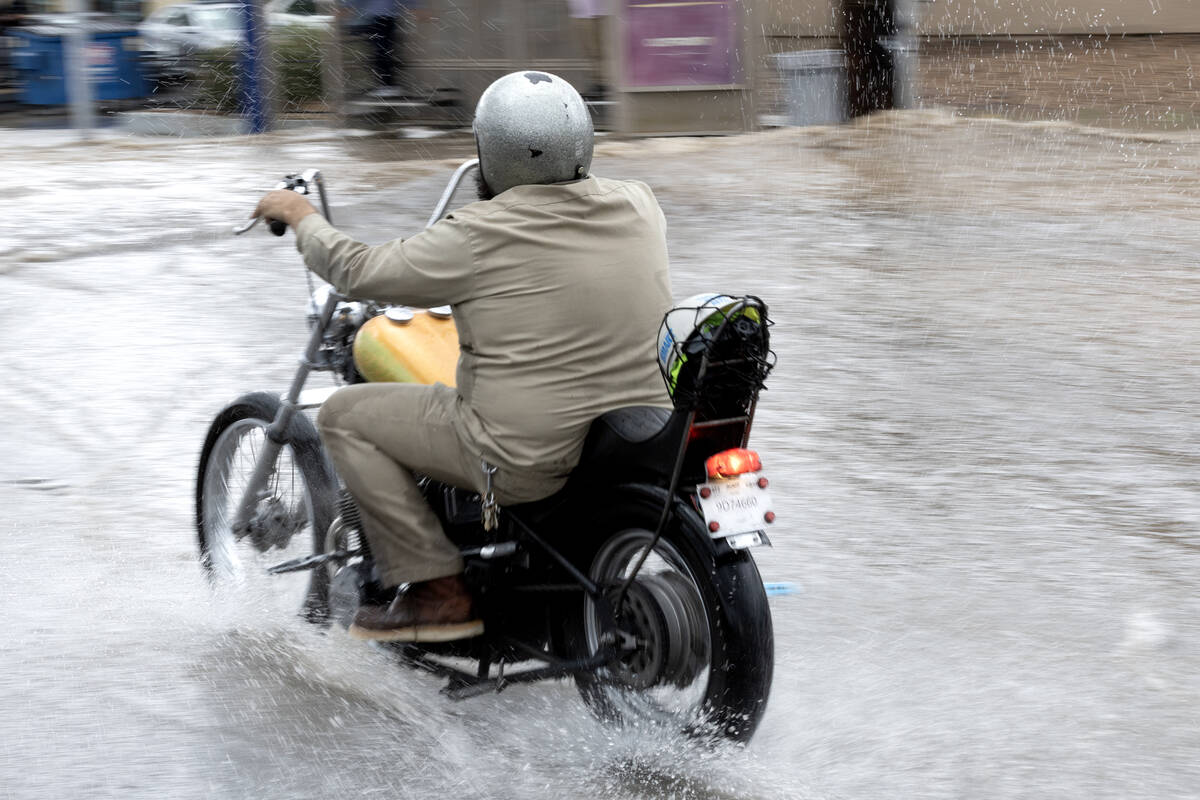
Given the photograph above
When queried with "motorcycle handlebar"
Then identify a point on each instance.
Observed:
(301, 182)
(278, 227)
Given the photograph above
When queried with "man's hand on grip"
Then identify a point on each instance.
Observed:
(284, 206)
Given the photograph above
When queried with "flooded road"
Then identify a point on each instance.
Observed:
(981, 430)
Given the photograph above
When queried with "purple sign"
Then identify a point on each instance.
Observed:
(674, 43)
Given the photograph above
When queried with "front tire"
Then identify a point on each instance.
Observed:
(289, 522)
(706, 649)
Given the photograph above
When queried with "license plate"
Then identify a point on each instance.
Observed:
(735, 505)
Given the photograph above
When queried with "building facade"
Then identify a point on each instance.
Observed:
(794, 18)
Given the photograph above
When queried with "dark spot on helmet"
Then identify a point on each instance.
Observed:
(534, 153)
(538, 77)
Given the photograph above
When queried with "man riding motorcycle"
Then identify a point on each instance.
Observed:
(558, 281)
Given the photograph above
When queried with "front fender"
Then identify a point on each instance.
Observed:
(314, 398)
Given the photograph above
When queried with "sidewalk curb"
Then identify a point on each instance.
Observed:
(195, 124)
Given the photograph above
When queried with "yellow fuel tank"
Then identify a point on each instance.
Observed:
(407, 346)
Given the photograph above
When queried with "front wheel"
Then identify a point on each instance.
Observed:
(694, 629)
(289, 520)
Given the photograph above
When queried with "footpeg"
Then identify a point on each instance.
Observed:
(312, 562)
(490, 551)
(456, 690)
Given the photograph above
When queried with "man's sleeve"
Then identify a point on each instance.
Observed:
(433, 268)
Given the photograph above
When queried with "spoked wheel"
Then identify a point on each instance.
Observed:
(694, 636)
(289, 521)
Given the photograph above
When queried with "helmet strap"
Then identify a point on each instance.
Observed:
(482, 189)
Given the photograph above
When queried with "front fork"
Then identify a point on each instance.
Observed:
(264, 467)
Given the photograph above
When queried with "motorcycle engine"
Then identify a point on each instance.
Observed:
(337, 343)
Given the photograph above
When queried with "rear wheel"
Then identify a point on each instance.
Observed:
(697, 651)
(289, 521)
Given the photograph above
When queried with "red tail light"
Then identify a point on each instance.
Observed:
(732, 462)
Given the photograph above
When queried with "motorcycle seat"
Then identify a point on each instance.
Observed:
(638, 438)
(635, 443)
(626, 445)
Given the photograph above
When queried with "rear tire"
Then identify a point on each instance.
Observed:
(710, 672)
(291, 521)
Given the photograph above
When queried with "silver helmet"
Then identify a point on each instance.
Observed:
(532, 127)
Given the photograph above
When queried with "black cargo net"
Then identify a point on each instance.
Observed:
(715, 361)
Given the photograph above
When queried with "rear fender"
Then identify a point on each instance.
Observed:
(683, 514)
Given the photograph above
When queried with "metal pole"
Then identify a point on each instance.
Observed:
(255, 97)
(906, 53)
(79, 90)
(866, 27)
(621, 120)
(333, 67)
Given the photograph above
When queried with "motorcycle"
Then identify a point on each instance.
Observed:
(635, 580)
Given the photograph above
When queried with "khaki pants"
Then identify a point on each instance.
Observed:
(378, 434)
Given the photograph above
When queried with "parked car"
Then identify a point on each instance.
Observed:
(296, 12)
(173, 35)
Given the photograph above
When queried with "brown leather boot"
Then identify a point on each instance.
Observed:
(431, 611)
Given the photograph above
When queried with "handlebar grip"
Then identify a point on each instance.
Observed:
(278, 227)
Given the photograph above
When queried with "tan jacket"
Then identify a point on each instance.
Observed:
(558, 292)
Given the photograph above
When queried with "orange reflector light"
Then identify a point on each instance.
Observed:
(732, 462)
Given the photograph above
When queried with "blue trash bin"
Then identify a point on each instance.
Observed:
(111, 57)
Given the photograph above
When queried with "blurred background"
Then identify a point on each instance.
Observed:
(646, 67)
(975, 224)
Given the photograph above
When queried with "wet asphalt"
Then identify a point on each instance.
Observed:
(981, 435)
